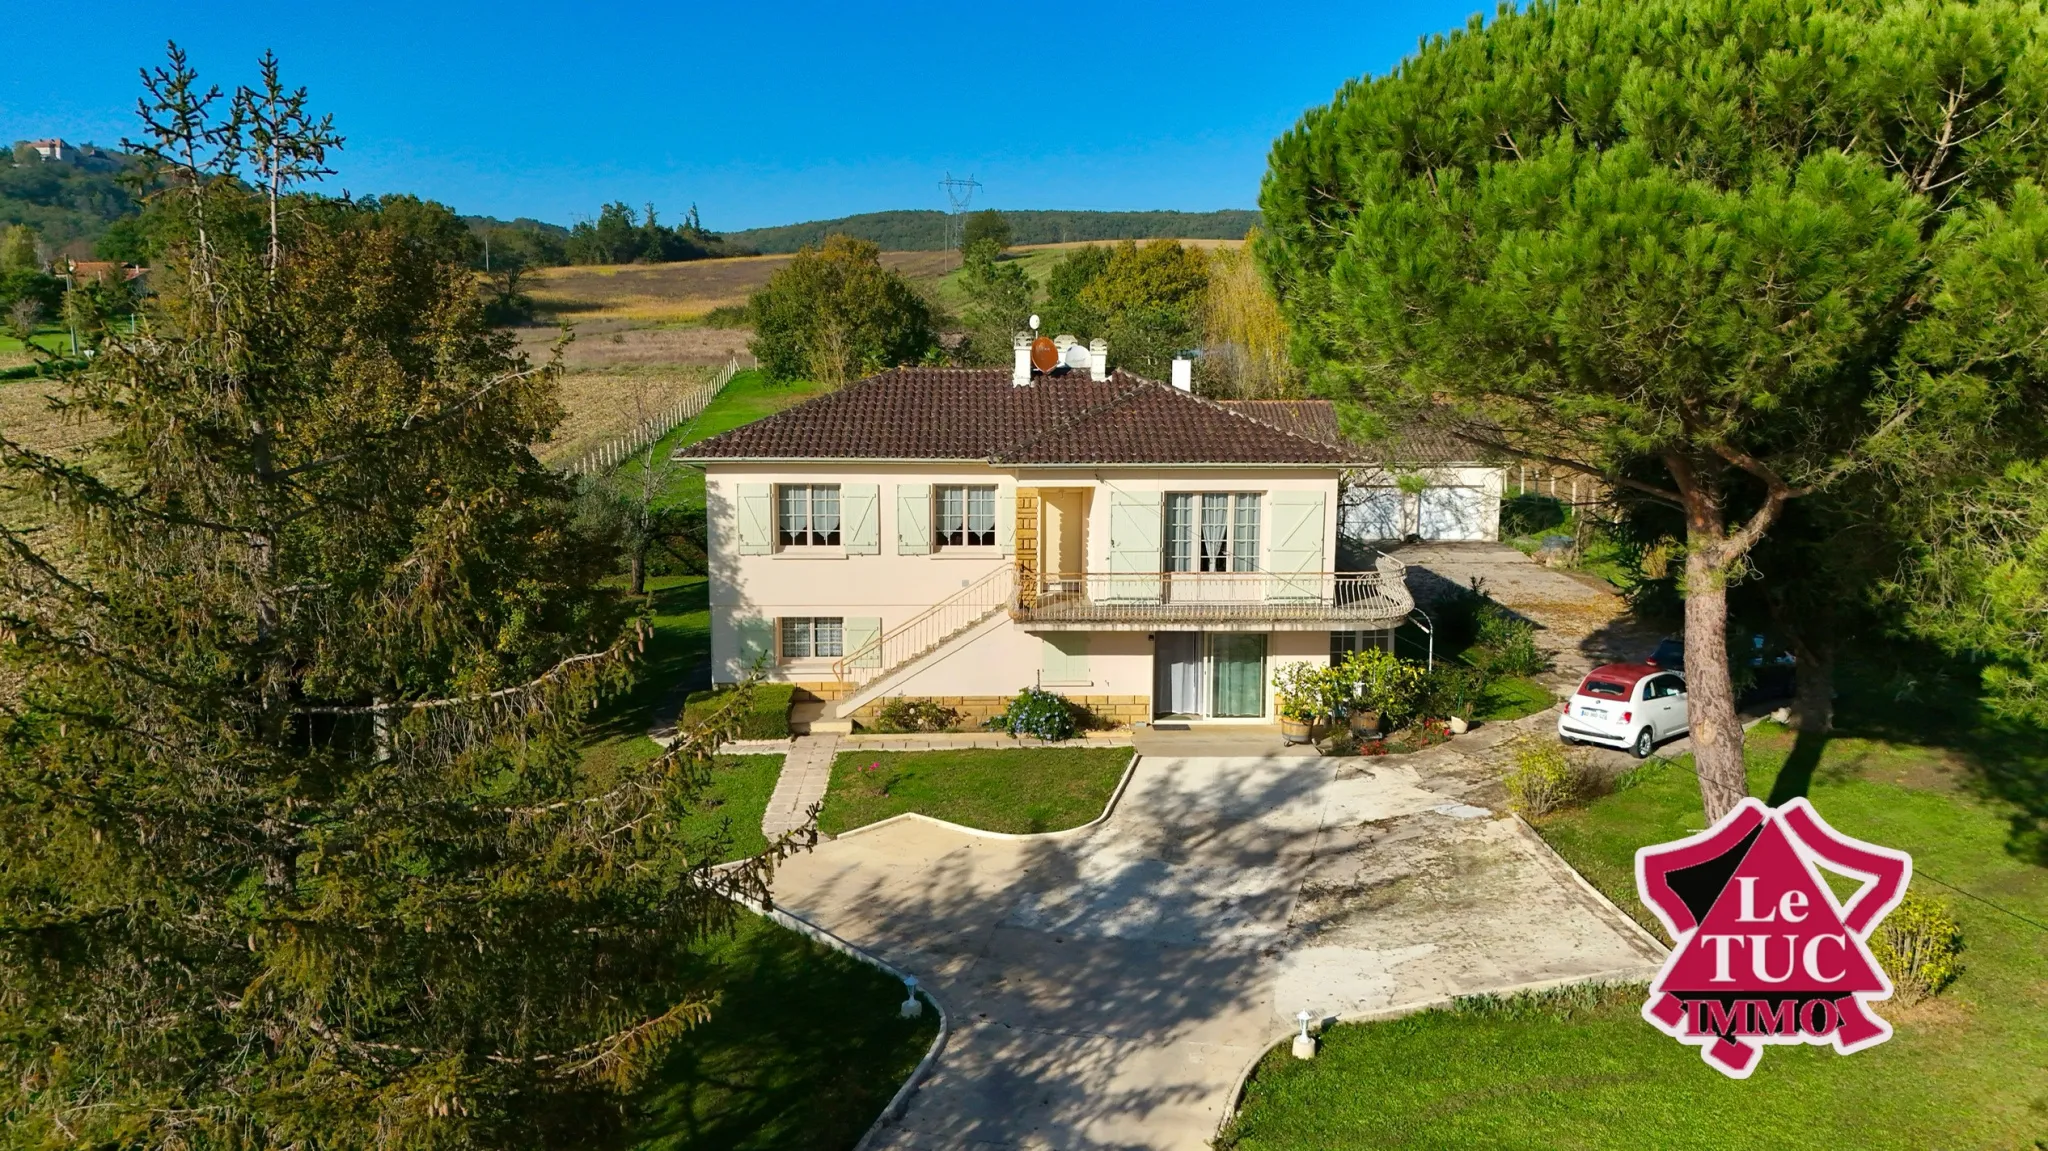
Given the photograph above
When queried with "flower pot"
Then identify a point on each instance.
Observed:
(1296, 730)
(1365, 723)
(1458, 726)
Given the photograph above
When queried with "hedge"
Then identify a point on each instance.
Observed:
(766, 718)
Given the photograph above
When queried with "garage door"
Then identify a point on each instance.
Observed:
(1375, 515)
(1453, 514)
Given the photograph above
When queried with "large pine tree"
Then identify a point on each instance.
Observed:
(294, 848)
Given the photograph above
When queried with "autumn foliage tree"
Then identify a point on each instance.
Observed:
(1701, 248)
(295, 849)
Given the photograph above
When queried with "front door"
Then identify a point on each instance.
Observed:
(1177, 674)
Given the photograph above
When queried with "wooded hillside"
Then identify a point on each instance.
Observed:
(924, 231)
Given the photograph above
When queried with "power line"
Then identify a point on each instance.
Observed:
(959, 195)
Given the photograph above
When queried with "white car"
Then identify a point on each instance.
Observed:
(1632, 706)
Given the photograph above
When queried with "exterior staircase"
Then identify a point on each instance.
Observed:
(873, 666)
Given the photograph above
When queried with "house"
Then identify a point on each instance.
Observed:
(963, 534)
(103, 271)
(54, 150)
(1432, 485)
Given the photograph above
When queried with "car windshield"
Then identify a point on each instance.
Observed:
(1606, 687)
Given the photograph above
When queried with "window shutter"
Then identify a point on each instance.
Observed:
(1006, 519)
(1134, 556)
(913, 519)
(860, 519)
(1066, 657)
(756, 518)
(1297, 544)
(860, 632)
(757, 643)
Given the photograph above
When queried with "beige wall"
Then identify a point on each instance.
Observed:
(1002, 659)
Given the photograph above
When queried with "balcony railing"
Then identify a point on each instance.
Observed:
(1356, 599)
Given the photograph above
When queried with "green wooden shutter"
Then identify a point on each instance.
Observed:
(1134, 556)
(860, 632)
(860, 519)
(1066, 657)
(757, 644)
(1297, 545)
(756, 512)
(913, 519)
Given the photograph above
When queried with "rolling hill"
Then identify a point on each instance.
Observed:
(924, 231)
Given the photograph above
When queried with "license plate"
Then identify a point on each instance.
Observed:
(1593, 712)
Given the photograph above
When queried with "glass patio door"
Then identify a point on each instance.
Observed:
(1237, 675)
(1177, 674)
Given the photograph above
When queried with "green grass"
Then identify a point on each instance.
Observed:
(676, 654)
(1013, 790)
(749, 396)
(1968, 1068)
(804, 1050)
(1512, 697)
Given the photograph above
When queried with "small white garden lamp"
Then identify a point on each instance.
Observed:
(912, 1005)
(1304, 1043)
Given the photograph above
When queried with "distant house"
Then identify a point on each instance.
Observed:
(103, 271)
(55, 150)
(1431, 485)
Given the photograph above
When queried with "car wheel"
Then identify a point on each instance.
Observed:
(1645, 744)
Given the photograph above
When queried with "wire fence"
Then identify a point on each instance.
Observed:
(615, 451)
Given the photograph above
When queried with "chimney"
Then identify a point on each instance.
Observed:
(1184, 374)
(1062, 342)
(1020, 373)
(1098, 359)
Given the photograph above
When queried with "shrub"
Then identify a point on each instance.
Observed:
(1918, 945)
(1504, 643)
(1375, 680)
(909, 713)
(1310, 693)
(1037, 712)
(1544, 778)
(1448, 690)
(1529, 513)
(766, 716)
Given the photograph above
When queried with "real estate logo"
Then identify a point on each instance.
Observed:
(1765, 952)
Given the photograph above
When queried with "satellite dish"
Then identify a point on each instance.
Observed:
(1076, 357)
(1034, 320)
(1044, 356)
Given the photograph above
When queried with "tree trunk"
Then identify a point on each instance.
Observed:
(1710, 693)
(640, 568)
(1813, 685)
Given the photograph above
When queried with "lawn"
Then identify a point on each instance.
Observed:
(804, 1050)
(1968, 1068)
(1013, 790)
(1512, 697)
(749, 396)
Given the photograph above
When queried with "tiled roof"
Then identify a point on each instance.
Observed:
(1422, 442)
(1315, 419)
(977, 414)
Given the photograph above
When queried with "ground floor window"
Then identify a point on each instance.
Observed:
(1343, 643)
(813, 637)
(1217, 675)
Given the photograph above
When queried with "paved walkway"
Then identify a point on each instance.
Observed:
(806, 772)
(1108, 988)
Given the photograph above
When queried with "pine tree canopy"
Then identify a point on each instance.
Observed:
(295, 850)
(1710, 250)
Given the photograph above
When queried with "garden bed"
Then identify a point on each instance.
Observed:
(1011, 790)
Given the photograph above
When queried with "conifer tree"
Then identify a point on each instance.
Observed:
(295, 849)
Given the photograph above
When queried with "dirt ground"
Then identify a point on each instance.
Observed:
(652, 293)
(616, 343)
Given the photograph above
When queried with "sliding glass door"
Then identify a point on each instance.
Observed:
(1237, 675)
(1215, 675)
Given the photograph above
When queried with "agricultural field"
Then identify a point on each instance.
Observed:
(603, 404)
(679, 293)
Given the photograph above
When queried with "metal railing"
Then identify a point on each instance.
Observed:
(929, 629)
(1110, 597)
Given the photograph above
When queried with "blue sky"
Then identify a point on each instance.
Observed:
(760, 113)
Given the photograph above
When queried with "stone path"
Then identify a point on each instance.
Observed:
(806, 772)
(1108, 988)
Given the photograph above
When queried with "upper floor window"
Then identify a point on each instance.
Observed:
(966, 516)
(807, 515)
(813, 637)
(1212, 531)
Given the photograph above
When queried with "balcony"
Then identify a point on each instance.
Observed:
(1215, 601)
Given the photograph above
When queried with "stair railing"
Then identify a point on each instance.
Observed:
(929, 628)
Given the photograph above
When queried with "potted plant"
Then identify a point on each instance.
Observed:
(1378, 686)
(1305, 700)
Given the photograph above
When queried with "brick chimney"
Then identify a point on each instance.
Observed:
(1098, 359)
(1020, 372)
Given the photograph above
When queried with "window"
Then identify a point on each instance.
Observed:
(1212, 531)
(967, 517)
(1664, 687)
(807, 515)
(1343, 643)
(813, 637)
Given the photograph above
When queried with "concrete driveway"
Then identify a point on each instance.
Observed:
(1109, 987)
